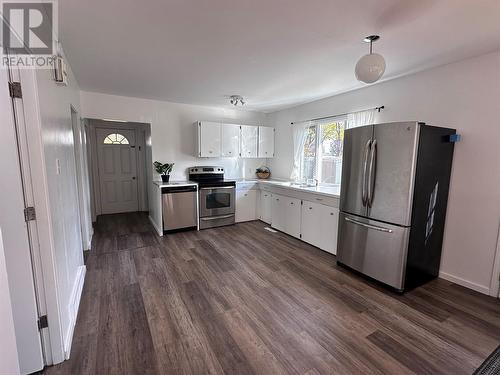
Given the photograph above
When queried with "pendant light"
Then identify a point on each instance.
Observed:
(371, 67)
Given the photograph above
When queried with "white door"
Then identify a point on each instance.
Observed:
(266, 142)
(209, 139)
(278, 211)
(230, 140)
(246, 205)
(117, 167)
(266, 206)
(19, 236)
(292, 217)
(329, 222)
(311, 223)
(249, 141)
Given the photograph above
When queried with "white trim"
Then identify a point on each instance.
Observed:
(495, 276)
(158, 229)
(76, 296)
(468, 284)
(53, 339)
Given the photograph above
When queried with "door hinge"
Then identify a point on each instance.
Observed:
(15, 90)
(29, 214)
(43, 322)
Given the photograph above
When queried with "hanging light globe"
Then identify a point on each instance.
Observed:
(371, 67)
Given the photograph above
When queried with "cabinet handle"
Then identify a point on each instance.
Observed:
(277, 199)
(331, 213)
(310, 208)
(319, 199)
(291, 202)
(246, 195)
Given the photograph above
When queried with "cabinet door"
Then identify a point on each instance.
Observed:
(266, 142)
(311, 223)
(209, 139)
(230, 140)
(329, 229)
(249, 140)
(266, 206)
(292, 217)
(246, 205)
(278, 212)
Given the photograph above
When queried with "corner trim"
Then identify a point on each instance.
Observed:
(468, 284)
(158, 230)
(76, 296)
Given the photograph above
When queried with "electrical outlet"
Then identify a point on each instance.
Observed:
(58, 167)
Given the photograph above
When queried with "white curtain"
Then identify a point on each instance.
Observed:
(360, 118)
(299, 138)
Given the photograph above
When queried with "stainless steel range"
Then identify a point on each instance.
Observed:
(216, 196)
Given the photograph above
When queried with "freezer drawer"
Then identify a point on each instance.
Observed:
(373, 248)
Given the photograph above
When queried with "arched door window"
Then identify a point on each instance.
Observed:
(115, 139)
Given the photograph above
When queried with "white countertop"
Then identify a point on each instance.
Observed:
(321, 190)
(161, 184)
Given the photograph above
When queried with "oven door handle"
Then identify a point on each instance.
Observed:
(216, 217)
(215, 188)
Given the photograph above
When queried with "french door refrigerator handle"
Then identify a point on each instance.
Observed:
(365, 165)
(381, 229)
(371, 172)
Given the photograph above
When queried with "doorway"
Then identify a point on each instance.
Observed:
(119, 172)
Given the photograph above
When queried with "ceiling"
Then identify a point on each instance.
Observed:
(275, 53)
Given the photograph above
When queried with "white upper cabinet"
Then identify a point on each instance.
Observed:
(230, 140)
(266, 142)
(249, 141)
(209, 139)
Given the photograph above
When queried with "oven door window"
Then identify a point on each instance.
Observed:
(218, 200)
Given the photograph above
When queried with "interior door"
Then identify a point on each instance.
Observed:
(391, 172)
(357, 144)
(20, 238)
(117, 164)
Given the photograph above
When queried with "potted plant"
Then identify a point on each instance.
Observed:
(164, 170)
(263, 172)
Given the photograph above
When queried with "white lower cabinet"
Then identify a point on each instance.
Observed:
(246, 205)
(285, 213)
(265, 205)
(319, 225)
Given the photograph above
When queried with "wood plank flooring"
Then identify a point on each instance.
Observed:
(243, 300)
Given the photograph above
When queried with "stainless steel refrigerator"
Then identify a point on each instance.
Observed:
(394, 192)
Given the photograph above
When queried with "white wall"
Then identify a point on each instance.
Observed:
(55, 103)
(464, 96)
(8, 350)
(173, 135)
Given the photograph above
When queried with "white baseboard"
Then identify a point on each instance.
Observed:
(468, 284)
(158, 229)
(76, 295)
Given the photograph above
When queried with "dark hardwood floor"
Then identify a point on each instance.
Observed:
(243, 300)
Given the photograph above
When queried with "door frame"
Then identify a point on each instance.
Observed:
(495, 276)
(141, 132)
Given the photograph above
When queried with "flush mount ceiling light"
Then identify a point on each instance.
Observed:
(236, 99)
(370, 67)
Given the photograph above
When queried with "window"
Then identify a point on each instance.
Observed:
(115, 139)
(322, 155)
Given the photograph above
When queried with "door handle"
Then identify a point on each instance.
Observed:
(133, 178)
(215, 217)
(370, 226)
(216, 188)
(371, 172)
(365, 166)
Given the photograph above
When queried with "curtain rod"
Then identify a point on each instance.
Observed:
(378, 109)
